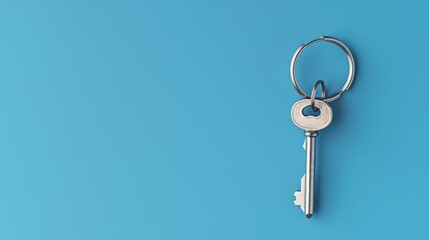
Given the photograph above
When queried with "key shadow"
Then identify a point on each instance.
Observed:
(326, 172)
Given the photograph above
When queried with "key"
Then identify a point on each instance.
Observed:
(310, 124)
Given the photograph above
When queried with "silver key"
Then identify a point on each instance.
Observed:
(310, 124)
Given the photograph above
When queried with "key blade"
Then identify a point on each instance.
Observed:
(299, 195)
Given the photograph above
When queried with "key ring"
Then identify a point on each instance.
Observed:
(350, 77)
(313, 93)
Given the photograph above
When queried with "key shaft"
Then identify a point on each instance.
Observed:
(310, 148)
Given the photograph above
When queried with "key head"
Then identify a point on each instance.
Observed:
(311, 123)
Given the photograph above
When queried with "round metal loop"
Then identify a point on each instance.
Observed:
(313, 93)
(350, 77)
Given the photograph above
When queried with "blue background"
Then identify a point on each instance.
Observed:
(171, 120)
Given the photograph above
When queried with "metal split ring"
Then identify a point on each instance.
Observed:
(313, 93)
(350, 77)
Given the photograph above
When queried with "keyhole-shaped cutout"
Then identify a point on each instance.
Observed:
(308, 111)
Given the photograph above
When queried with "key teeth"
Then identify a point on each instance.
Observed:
(299, 195)
(299, 199)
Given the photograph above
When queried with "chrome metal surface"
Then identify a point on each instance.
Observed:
(350, 59)
(313, 93)
(311, 124)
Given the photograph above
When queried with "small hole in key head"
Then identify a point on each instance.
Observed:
(308, 111)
